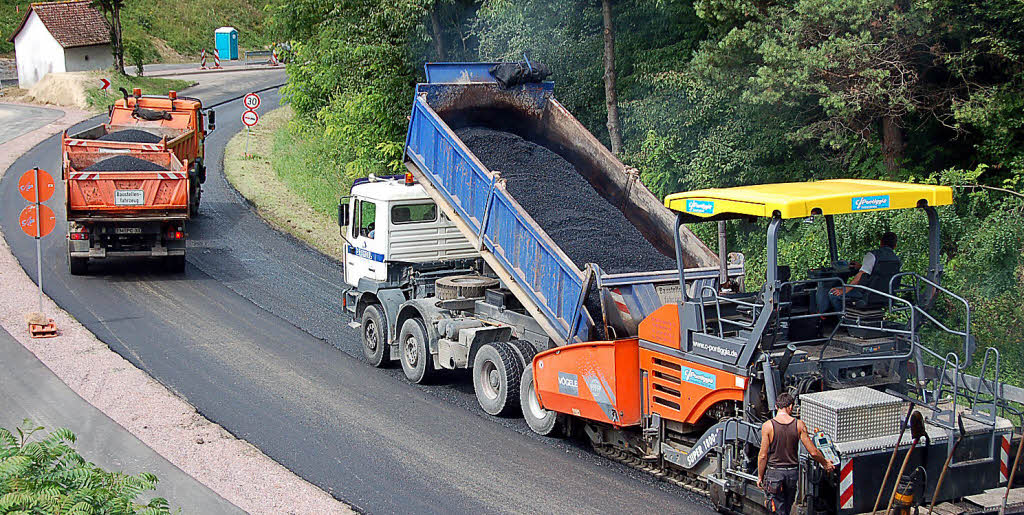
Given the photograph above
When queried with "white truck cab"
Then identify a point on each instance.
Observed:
(392, 219)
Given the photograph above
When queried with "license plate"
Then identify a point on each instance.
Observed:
(128, 198)
(127, 230)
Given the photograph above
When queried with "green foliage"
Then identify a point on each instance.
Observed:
(185, 25)
(44, 474)
(188, 26)
(351, 76)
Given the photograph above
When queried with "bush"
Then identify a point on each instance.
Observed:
(47, 475)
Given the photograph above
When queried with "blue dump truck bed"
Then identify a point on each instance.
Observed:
(521, 252)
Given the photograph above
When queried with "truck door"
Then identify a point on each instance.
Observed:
(364, 256)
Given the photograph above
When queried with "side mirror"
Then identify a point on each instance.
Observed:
(342, 216)
(211, 120)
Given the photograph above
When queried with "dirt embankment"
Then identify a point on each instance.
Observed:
(62, 89)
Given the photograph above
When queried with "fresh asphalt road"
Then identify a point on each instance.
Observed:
(16, 119)
(241, 335)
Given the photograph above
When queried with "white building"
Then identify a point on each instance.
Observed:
(60, 37)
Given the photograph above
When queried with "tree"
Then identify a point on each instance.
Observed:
(864, 63)
(47, 475)
(611, 99)
(112, 8)
(436, 33)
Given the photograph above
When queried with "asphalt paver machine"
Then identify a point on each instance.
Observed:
(686, 398)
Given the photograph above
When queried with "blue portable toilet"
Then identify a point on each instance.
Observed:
(227, 43)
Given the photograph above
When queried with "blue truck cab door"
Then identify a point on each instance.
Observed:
(367, 241)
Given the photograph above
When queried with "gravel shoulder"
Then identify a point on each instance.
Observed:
(165, 422)
(254, 178)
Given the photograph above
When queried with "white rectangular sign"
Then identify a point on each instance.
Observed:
(128, 198)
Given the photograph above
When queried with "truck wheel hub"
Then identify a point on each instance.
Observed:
(411, 356)
(371, 336)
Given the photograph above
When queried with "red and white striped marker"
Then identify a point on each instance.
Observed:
(273, 58)
(620, 302)
(202, 59)
(216, 61)
(846, 486)
(1004, 459)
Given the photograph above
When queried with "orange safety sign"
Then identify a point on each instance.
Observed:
(27, 186)
(28, 220)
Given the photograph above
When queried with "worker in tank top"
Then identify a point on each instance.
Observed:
(778, 461)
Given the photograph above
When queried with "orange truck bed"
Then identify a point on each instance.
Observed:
(181, 127)
(126, 194)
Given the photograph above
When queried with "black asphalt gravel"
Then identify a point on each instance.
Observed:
(131, 135)
(241, 335)
(587, 227)
(124, 164)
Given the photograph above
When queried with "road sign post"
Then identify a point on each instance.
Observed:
(249, 119)
(38, 220)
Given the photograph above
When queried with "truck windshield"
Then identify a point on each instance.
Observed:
(413, 213)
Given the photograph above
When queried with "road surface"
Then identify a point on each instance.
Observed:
(32, 391)
(17, 119)
(252, 336)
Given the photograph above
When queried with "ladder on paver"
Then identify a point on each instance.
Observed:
(983, 397)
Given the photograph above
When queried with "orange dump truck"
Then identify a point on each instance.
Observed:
(153, 123)
(126, 204)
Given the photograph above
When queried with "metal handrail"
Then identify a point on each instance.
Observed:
(718, 309)
(992, 390)
(937, 414)
(966, 333)
(912, 332)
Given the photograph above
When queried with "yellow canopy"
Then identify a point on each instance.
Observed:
(799, 199)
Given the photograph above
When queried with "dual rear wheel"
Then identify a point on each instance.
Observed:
(502, 371)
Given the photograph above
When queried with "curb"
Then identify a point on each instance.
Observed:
(175, 73)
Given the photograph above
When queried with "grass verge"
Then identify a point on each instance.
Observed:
(286, 193)
(100, 99)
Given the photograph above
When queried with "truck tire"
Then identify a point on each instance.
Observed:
(175, 264)
(496, 375)
(375, 336)
(542, 421)
(524, 350)
(462, 286)
(417, 363)
(193, 208)
(77, 265)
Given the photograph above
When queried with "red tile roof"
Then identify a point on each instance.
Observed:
(72, 24)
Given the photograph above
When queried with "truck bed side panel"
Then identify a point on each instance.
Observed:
(549, 278)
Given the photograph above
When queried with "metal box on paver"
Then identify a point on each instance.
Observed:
(851, 413)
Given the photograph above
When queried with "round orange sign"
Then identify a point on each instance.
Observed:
(28, 220)
(27, 186)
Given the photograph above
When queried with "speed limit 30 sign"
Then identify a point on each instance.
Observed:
(251, 101)
(249, 118)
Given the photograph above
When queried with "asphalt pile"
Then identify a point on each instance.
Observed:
(131, 136)
(124, 164)
(580, 221)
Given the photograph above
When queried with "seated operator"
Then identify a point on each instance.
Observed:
(878, 268)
